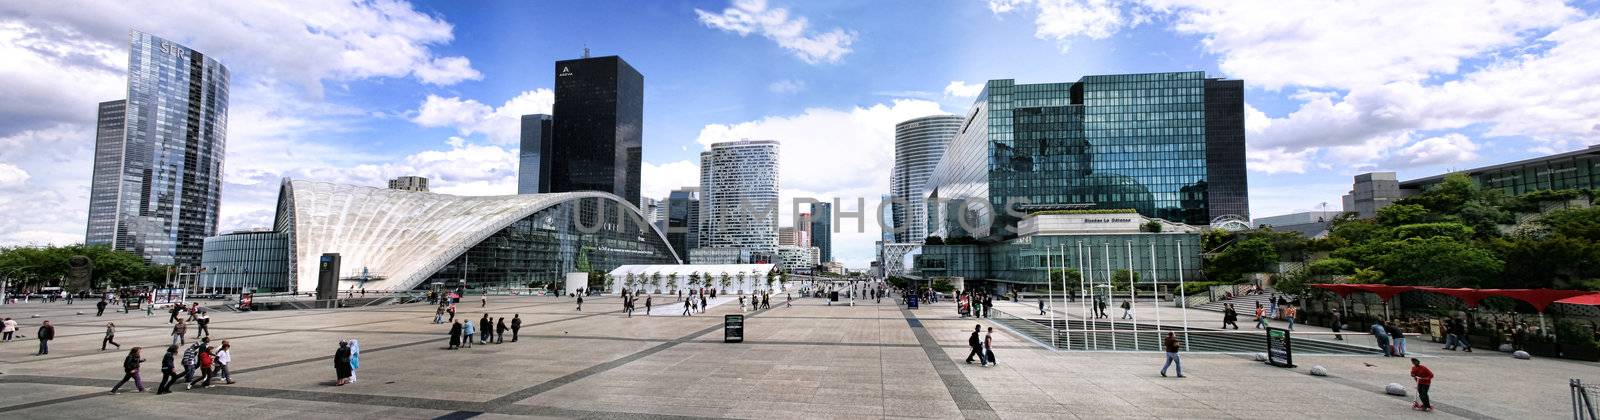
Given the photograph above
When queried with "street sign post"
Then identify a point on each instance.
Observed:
(733, 328)
(1279, 352)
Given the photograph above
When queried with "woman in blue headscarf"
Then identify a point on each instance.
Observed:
(355, 358)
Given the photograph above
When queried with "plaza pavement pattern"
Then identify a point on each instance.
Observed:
(809, 361)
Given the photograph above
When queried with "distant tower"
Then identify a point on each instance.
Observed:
(597, 142)
(739, 196)
(409, 183)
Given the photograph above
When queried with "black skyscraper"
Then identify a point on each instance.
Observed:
(1228, 192)
(599, 119)
(533, 169)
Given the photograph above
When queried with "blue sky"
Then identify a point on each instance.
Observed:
(365, 90)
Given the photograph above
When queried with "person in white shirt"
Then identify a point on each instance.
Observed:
(224, 358)
(10, 328)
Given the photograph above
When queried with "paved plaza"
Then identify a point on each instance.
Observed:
(809, 361)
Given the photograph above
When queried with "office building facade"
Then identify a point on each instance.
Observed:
(822, 230)
(598, 127)
(246, 261)
(409, 183)
(683, 220)
(1578, 169)
(162, 201)
(918, 145)
(1155, 143)
(739, 197)
(533, 156)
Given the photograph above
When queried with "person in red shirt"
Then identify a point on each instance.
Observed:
(1424, 378)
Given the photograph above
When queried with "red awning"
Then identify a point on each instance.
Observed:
(1383, 291)
(1468, 296)
(1539, 298)
(1590, 300)
(1343, 290)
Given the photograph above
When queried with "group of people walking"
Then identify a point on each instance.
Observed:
(210, 362)
(486, 330)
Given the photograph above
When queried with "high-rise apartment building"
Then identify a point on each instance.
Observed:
(739, 201)
(822, 230)
(1167, 145)
(598, 127)
(683, 220)
(533, 160)
(788, 236)
(918, 145)
(409, 183)
(157, 184)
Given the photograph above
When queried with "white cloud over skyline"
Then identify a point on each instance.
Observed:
(792, 33)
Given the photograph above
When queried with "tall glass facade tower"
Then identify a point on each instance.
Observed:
(739, 197)
(533, 163)
(822, 230)
(1168, 145)
(599, 123)
(162, 202)
(918, 145)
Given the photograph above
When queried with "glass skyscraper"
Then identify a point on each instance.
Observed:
(918, 145)
(533, 164)
(1168, 145)
(822, 230)
(157, 184)
(598, 122)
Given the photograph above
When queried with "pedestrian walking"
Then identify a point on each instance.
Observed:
(500, 331)
(438, 315)
(977, 346)
(169, 373)
(485, 329)
(687, 306)
(1229, 316)
(130, 370)
(174, 311)
(468, 334)
(580, 303)
(703, 303)
(1127, 310)
(1397, 338)
(455, 335)
(1288, 315)
(111, 337)
(178, 331)
(1424, 378)
(100, 308)
(485, 299)
(988, 347)
(47, 332)
(1381, 335)
(191, 360)
(1041, 306)
(355, 358)
(1171, 346)
(788, 300)
(452, 312)
(206, 361)
(224, 358)
(516, 324)
(1338, 323)
(1261, 317)
(341, 364)
(203, 320)
(647, 305)
(8, 327)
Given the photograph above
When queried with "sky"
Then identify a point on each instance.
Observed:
(362, 91)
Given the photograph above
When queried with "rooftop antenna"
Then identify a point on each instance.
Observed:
(586, 51)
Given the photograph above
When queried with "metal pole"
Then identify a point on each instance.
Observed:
(1066, 322)
(1183, 299)
(1109, 281)
(1155, 286)
(1049, 292)
(1132, 298)
(1094, 326)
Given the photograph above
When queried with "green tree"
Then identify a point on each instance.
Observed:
(1332, 266)
(727, 280)
(672, 279)
(1452, 230)
(1123, 279)
(1402, 214)
(1250, 255)
(1151, 226)
(1438, 261)
(933, 240)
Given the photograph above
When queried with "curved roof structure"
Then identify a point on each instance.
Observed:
(404, 236)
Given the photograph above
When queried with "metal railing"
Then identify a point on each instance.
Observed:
(1582, 406)
(1123, 335)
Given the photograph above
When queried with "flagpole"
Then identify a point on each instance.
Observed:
(1133, 299)
(1095, 325)
(1049, 292)
(1183, 300)
(1066, 322)
(1109, 286)
(1155, 285)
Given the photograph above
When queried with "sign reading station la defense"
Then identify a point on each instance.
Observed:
(1082, 223)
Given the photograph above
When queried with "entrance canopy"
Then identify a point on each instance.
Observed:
(1539, 298)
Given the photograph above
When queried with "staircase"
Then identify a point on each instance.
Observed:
(1149, 339)
(1245, 304)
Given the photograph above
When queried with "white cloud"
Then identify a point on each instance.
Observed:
(1449, 148)
(446, 71)
(11, 176)
(502, 125)
(745, 17)
(1065, 20)
(656, 181)
(44, 185)
(811, 166)
(786, 86)
(962, 89)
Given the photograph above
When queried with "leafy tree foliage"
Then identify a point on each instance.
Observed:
(40, 266)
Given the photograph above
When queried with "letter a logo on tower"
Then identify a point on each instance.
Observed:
(565, 71)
